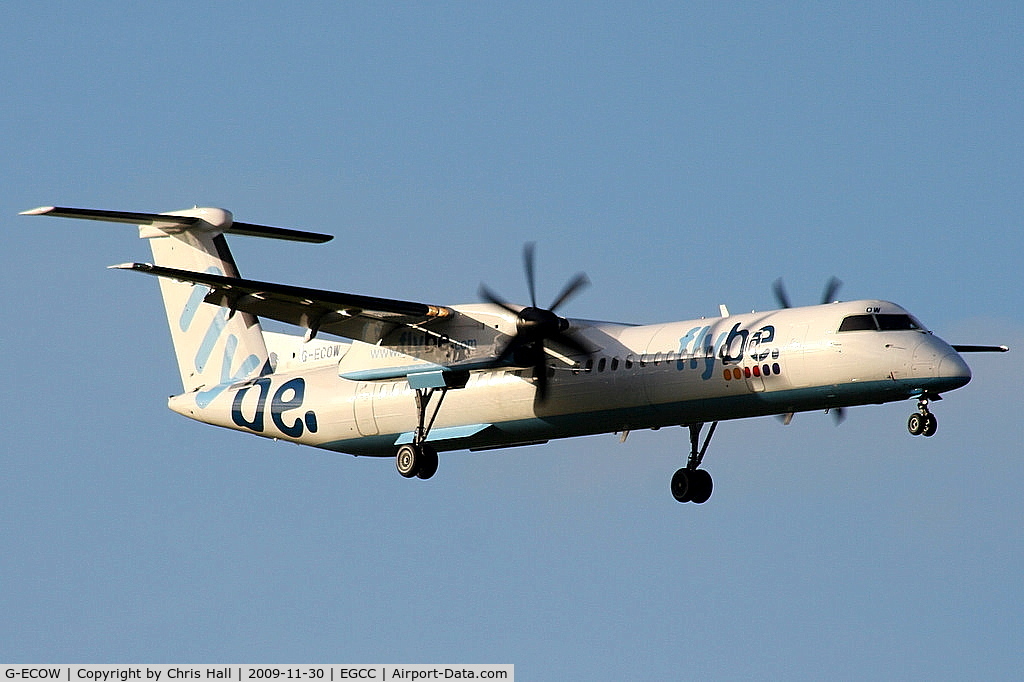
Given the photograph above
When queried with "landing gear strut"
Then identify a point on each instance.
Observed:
(692, 484)
(419, 459)
(922, 422)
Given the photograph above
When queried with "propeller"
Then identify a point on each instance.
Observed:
(827, 296)
(536, 326)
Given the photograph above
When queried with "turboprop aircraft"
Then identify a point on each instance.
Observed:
(414, 379)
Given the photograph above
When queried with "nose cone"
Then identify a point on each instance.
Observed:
(954, 371)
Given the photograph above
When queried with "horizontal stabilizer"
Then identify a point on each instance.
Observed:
(252, 230)
(216, 218)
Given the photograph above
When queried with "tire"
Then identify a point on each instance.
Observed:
(681, 486)
(407, 461)
(916, 424)
(428, 462)
(701, 486)
(931, 425)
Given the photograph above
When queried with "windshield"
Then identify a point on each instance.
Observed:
(886, 322)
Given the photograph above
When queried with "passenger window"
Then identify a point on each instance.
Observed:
(601, 364)
(858, 323)
(615, 364)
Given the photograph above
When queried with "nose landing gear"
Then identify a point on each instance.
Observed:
(922, 422)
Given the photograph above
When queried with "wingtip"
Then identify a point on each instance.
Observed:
(130, 266)
(42, 210)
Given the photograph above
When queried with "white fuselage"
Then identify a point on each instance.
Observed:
(640, 377)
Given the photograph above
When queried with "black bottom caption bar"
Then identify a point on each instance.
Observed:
(254, 673)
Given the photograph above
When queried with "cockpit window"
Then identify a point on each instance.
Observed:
(887, 322)
(858, 323)
(896, 323)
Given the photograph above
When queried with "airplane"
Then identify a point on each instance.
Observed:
(410, 380)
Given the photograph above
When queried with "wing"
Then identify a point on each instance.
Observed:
(960, 348)
(363, 318)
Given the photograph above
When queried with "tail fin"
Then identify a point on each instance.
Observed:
(214, 346)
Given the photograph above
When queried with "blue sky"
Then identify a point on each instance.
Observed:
(684, 156)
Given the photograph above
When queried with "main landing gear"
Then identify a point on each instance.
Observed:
(416, 460)
(419, 459)
(923, 422)
(691, 483)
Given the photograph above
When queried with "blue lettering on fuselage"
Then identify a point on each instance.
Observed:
(286, 398)
(684, 347)
(730, 347)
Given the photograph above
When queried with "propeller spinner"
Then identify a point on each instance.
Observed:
(536, 326)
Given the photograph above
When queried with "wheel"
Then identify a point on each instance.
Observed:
(916, 424)
(407, 461)
(681, 488)
(701, 486)
(428, 462)
(931, 424)
(692, 485)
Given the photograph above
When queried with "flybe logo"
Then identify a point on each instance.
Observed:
(287, 398)
(699, 347)
(253, 401)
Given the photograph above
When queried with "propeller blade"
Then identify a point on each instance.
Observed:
(528, 267)
(571, 342)
(779, 289)
(831, 288)
(492, 297)
(571, 288)
(507, 351)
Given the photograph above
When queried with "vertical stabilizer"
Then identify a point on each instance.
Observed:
(213, 346)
